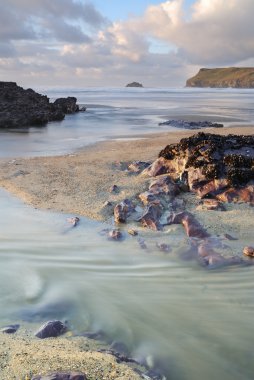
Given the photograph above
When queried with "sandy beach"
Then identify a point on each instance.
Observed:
(22, 356)
(80, 183)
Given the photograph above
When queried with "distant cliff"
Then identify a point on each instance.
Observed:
(236, 77)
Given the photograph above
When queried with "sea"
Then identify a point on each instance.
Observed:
(190, 323)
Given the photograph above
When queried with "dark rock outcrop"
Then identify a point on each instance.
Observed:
(237, 77)
(51, 329)
(183, 124)
(67, 105)
(21, 108)
(211, 165)
(134, 84)
(10, 329)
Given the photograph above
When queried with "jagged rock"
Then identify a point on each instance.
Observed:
(147, 197)
(67, 105)
(51, 329)
(164, 185)
(212, 165)
(151, 217)
(191, 124)
(61, 376)
(158, 167)
(192, 227)
(21, 108)
(122, 210)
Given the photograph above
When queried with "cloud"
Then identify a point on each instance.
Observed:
(71, 41)
(62, 20)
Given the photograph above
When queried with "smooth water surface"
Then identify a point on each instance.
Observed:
(127, 112)
(193, 323)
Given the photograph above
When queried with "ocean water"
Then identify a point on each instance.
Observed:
(124, 113)
(191, 323)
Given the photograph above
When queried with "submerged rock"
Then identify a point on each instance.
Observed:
(192, 227)
(122, 210)
(61, 376)
(115, 235)
(151, 217)
(74, 221)
(10, 329)
(163, 247)
(191, 124)
(248, 251)
(51, 329)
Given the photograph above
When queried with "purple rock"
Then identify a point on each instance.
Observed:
(115, 235)
(51, 329)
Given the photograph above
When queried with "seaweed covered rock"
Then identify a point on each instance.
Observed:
(212, 165)
(21, 108)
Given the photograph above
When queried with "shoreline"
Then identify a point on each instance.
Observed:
(80, 182)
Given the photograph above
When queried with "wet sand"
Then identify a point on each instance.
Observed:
(23, 356)
(80, 183)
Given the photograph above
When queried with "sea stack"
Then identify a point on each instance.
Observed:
(134, 84)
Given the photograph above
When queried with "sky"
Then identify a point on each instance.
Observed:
(79, 43)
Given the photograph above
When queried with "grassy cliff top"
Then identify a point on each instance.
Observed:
(238, 77)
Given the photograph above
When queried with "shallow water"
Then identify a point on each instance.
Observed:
(193, 323)
(122, 113)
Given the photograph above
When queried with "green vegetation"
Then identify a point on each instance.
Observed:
(237, 77)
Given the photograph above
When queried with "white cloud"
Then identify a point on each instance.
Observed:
(72, 42)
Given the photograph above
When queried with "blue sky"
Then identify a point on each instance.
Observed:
(112, 42)
(116, 9)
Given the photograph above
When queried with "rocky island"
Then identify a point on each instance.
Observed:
(134, 84)
(25, 108)
(235, 77)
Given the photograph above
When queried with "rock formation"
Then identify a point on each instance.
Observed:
(134, 84)
(220, 167)
(183, 124)
(236, 77)
(25, 108)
